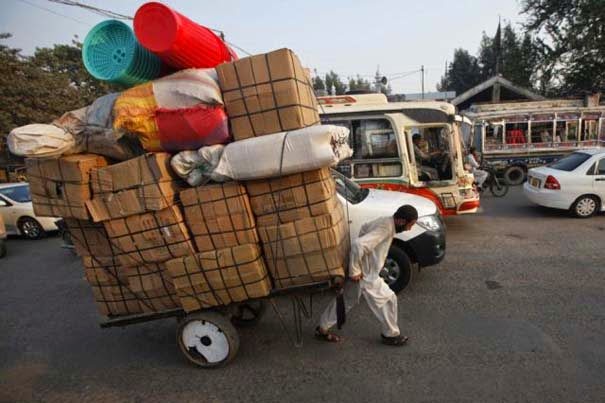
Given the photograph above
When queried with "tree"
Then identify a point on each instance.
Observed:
(42, 87)
(359, 83)
(318, 83)
(571, 41)
(333, 80)
(463, 73)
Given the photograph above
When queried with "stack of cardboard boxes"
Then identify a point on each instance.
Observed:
(148, 243)
(300, 220)
(229, 267)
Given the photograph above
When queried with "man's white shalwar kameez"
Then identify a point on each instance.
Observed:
(368, 254)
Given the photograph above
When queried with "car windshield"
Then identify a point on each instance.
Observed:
(19, 194)
(570, 162)
(349, 189)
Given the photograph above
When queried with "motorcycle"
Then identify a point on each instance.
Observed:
(497, 186)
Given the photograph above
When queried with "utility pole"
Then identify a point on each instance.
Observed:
(422, 71)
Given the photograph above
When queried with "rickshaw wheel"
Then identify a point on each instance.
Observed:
(207, 339)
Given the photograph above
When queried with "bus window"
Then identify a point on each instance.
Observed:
(541, 133)
(373, 138)
(567, 131)
(516, 133)
(378, 170)
(493, 136)
(590, 126)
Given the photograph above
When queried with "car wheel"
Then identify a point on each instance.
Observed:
(586, 206)
(514, 175)
(30, 228)
(397, 270)
(2, 248)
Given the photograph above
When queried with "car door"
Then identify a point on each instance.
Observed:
(6, 213)
(599, 179)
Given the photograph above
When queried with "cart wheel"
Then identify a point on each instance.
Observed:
(248, 313)
(208, 339)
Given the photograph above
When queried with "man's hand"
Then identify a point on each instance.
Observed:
(357, 277)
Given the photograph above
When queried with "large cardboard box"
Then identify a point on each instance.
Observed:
(127, 291)
(61, 187)
(292, 197)
(307, 250)
(89, 238)
(145, 183)
(220, 277)
(153, 237)
(219, 216)
(266, 94)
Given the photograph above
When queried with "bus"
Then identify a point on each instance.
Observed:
(385, 138)
(513, 137)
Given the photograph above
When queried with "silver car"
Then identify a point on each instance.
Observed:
(18, 213)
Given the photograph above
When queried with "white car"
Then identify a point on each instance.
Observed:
(423, 245)
(576, 183)
(18, 213)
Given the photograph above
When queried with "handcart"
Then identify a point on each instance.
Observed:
(209, 338)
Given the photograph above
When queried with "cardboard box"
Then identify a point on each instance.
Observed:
(219, 216)
(153, 237)
(127, 291)
(292, 197)
(61, 187)
(220, 277)
(89, 238)
(145, 183)
(267, 93)
(308, 250)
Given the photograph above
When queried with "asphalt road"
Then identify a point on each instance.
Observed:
(516, 312)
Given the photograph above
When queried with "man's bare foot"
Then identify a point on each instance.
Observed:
(326, 335)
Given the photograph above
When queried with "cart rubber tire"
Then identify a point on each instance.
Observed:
(207, 339)
(248, 313)
(514, 175)
(398, 269)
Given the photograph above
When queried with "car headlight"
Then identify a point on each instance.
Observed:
(430, 222)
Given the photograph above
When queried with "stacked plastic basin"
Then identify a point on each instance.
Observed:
(112, 53)
(177, 40)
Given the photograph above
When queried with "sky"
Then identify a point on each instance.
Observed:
(350, 37)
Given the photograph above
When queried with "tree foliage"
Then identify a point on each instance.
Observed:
(463, 73)
(41, 87)
(572, 43)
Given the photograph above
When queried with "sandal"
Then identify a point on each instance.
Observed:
(329, 337)
(397, 341)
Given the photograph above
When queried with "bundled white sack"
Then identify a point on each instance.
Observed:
(38, 140)
(87, 129)
(268, 156)
(187, 88)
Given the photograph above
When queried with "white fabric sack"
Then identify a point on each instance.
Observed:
(188, 88)
(197, 167)
(38, 140)
(305, 149)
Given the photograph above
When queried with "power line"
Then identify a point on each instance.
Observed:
(99, 11)
(53, 12)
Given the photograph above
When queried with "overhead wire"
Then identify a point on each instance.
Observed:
(53, 12)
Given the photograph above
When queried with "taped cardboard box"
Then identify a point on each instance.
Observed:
(220, 277)
(89, 238)
(292, 197)
(219, 216)
(145, 183)
(61, 187)
(307, 250)
(127, 291)
(153, 237)
(267, 93)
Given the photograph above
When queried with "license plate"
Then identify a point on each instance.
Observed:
(535, 182)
